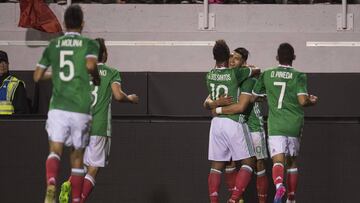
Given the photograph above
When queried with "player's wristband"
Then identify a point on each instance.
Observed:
(218, 110)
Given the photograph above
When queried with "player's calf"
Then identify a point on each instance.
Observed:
(242, 180)
(213, 185)
(230, 177)
(76, 179)
(52, 168)
(89, 184)
(262, 186)
(292, 179)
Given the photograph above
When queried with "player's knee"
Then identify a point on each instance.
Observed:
(92, 171)
(250, 162)
(260, 165)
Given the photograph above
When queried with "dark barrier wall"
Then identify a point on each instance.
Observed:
(182, 94)
(164, 159)
(166, 162)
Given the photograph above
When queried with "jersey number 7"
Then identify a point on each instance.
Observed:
(282, 92)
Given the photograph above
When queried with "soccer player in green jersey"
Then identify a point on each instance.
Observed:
(72, 57)
(253, 115)
(286, 91)
(97, 152)
(228, 137)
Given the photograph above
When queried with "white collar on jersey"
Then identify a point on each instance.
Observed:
(285, 66)
(72, 33)
(100, 64)
(220, 68)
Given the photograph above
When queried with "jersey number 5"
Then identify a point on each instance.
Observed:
(282, 93)
(63, 63)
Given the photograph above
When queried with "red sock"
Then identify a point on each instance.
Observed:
(262, 186)
(52, 168)
(89, 184)
(291, 182)
(230, 178)
(213, 184)
(278, 174)
(76, 179)
(242, 180)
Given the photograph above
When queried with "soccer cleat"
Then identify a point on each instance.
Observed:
(65, 192)
(280, 192)
(50, 194)
(290, 201)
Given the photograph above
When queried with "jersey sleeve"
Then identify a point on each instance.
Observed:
(45, 59)
(242, 74)
(92, 49)
(302, 85)
(259, 87)
(247, 86)
(116, 78)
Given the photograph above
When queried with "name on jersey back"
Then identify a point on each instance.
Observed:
(281, 74)
(219, 77)
(69, 43)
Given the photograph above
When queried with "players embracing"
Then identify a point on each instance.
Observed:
(286, 91)
(229, 137)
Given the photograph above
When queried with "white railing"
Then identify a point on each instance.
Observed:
(118, 43)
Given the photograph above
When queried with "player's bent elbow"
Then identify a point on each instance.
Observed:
(119, 97)
(303, 100)
(36, 78)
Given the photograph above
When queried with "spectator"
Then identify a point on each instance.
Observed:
(12, 90)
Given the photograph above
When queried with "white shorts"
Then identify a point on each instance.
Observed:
(278, 144)
(67, 127)
(229, 140)
(258, 139)
(97, 152)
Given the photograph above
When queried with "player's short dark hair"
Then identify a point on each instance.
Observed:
(102, 48)
(73, 17)
(243, 52)
(221, 51)
(286, 53)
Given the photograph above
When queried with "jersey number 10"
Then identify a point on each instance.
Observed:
(216, 94)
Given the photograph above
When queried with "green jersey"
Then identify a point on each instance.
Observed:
(253, 114)
(283, 85)
(67, 57)
(226, 81)
(102, 95)
(255, 121)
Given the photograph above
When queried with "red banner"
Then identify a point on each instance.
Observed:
(36, 14)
